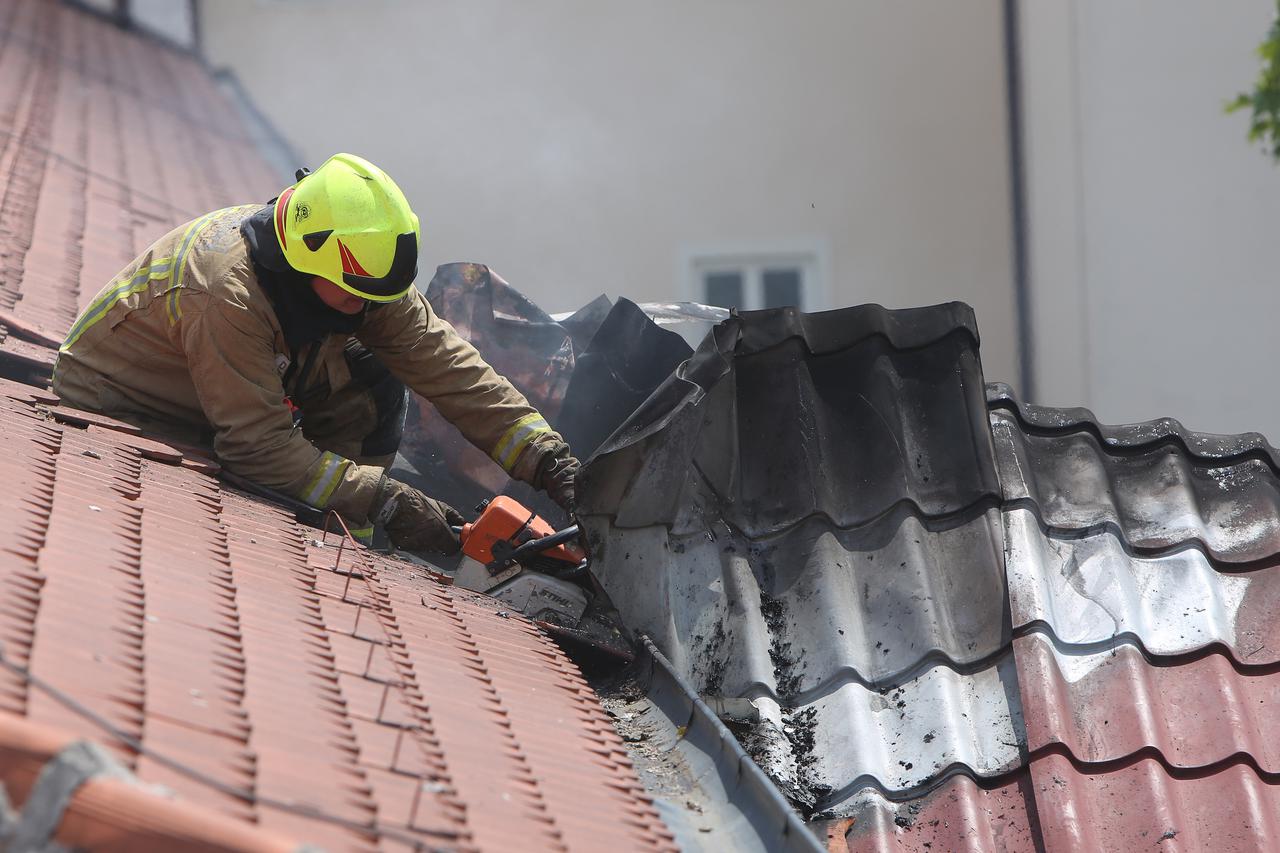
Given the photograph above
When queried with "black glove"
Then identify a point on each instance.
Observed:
(556, 473)
(414, 521)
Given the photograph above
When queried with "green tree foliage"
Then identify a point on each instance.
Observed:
(1264, 100)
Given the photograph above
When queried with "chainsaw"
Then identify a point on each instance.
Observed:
(514, 555)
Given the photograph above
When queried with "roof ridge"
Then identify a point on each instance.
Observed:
(1141, 437)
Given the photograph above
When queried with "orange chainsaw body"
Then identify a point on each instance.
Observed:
(505, 520)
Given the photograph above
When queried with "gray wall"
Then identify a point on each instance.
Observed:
(583, 147)
(1154, 224)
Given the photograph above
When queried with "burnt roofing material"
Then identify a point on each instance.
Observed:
(1144, 660)
(1161, 488)
(627, 358)
(518, 339)
(794, 409)
(521, 343)
(805, 514)
(1061, 646)
(583, 324)
(817, 492)
(585, 374)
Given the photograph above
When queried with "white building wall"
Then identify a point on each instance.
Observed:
(1154, 249)
(583, 147)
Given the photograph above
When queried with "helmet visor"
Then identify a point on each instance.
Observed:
(393, 285)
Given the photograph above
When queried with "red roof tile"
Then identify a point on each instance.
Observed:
(107, 140)
(1055, 805)
(1194, 713)
(215, 631)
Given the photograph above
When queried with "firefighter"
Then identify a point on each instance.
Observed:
(285, 334)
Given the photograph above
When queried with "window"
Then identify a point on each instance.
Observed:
(750, 282)
(724, 289)
(781, 287)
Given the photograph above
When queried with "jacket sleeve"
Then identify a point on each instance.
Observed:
(232, 361)
(429, 356)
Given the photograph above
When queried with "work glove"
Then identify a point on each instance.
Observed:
(413, 521)
(556, 473)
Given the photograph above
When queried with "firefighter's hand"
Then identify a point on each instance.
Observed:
(414, 521)
(556, 474)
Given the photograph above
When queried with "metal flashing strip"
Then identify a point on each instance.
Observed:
(743, 810)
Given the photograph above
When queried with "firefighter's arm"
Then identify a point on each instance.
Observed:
(232, 360)
(429, 356)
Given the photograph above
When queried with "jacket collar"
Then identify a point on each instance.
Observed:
(303, 317)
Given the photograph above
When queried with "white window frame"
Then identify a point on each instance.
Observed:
(752, 263)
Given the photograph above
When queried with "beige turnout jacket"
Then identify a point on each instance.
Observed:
(185, 342)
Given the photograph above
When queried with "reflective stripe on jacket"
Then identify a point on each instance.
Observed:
(185, 342)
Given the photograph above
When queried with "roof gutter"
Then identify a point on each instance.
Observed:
(1018, 199)
(746, 810)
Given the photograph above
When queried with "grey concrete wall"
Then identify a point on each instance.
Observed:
(583, 147)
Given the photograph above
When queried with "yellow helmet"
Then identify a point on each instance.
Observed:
(348, 222)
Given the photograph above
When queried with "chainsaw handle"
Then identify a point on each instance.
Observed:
(537, 546)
